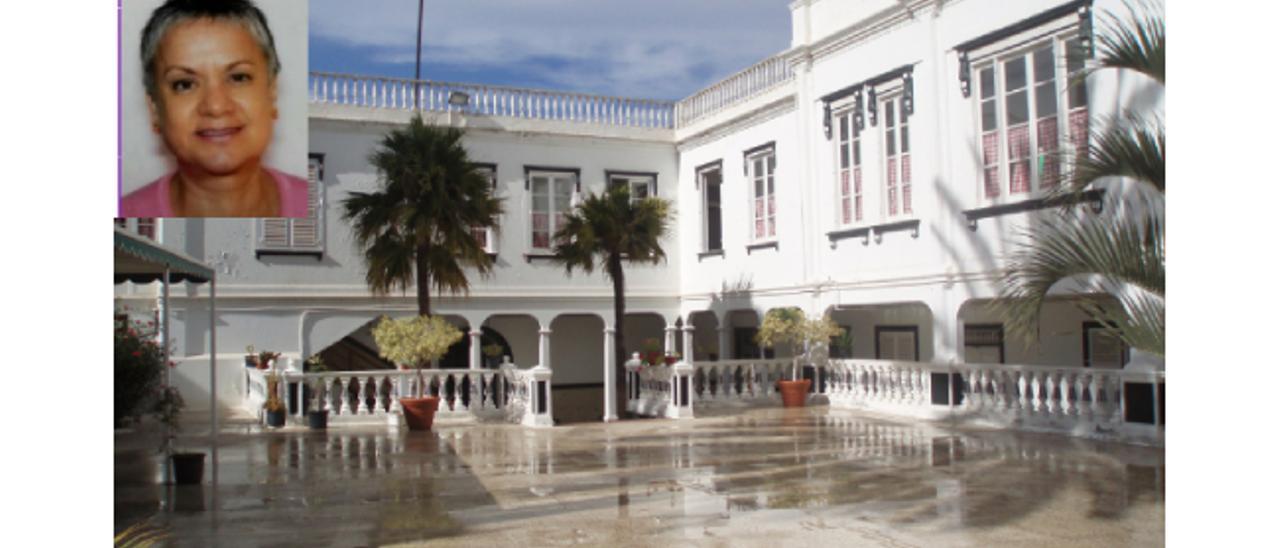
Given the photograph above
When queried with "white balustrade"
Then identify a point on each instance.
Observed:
(372, 396)
(485, 100)
(1069, 399)
(744, 85)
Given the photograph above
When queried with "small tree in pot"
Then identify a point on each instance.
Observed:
(789, 325)
(317, 416)
(416, 341)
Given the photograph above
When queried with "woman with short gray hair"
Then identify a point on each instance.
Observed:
(210, 68)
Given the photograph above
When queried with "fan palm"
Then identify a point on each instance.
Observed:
(1121, 251)
(417, 228)
(607, 229)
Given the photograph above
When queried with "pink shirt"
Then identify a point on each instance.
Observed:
(153, 200)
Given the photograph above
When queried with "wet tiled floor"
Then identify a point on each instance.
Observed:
(813, 476)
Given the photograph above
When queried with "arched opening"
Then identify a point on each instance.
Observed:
(493, 346)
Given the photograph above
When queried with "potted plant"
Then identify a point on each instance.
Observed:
(317, 415)
(672, 358)
(250, 358)
(493, 351)
(416, 341)
(652, 353)
(188, 467)
(265, 359)
(789, 325)
(274, 406)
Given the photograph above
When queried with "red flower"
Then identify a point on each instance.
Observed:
(171, 364)
(137, 354)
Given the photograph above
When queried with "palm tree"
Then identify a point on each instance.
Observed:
(1119, 252)
(607, 229)
(417, 228)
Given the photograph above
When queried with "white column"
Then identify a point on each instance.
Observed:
(610, 376)
(726, 348)
(544, 347)
(475, 349)
(687, 343)
(669, 340)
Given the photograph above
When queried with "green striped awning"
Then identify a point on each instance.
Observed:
(141, 260)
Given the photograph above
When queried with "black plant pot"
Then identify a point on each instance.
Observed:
(188, 468)
(318, 420)
(275, 418)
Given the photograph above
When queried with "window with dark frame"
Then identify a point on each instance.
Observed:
(641, 185)
(712, 229)
(850, 169)
(1021, 114)
(760, 169)
(551, 198)
(984, 343)
(484, 235)
(1102, 348)
(302, 235)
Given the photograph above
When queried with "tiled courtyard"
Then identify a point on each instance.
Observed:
(813, 477)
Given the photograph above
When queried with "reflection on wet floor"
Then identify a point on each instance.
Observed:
(829, 476)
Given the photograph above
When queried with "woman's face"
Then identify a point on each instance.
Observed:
(215, 97)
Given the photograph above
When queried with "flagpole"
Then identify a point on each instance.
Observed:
(417, 67)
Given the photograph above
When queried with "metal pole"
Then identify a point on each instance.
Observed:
(164, 351)
(417, 67)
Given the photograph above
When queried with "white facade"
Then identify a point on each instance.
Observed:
(929, 271)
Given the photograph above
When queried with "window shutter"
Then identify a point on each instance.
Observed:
(306, 231)
(275, 233)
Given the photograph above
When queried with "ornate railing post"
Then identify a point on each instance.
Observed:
(681, 405)
(539, 410)
(633, 366)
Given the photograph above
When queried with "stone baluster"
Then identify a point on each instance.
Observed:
(1070, 398)
(1052, 400)
(1096, 404)
(344, 396)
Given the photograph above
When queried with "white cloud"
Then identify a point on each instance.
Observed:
(653, 48)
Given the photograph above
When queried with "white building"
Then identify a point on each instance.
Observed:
(877, 170)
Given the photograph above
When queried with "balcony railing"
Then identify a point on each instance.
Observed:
(1074, 400)
(748, 83)
(534, 104)
(353, 397)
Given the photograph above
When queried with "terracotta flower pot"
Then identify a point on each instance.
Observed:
(188, 468)
(419, 412)
(794, 393)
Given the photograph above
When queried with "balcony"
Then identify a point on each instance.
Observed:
(397, 94)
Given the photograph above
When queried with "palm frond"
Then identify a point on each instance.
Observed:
(1129, 146)
(429, 198)
(1120, 254)
(1135, 41)
(141, 535)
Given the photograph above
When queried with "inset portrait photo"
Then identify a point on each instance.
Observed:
(213, 108)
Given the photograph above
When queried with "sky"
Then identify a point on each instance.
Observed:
(653, 49)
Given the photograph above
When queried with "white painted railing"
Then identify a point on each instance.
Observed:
(748, 83)
(1075, 400)
(508, 393)
(398, 94)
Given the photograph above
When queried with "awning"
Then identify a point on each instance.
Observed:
(140, 260)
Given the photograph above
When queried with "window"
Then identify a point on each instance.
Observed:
(143, 226)
(712, 234)
(850, 167)
(899, 343)
(984, 343)
(552, 197)
(641, 185)
(1022, 108)
(897, 158)
(760, 169)
(1102, 349)
(302, 235)
(484, 235)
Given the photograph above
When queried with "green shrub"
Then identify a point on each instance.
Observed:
(139, 367)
